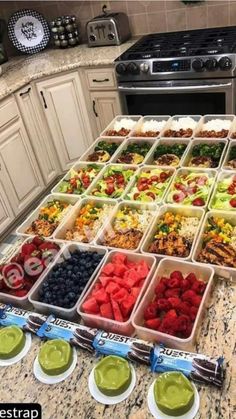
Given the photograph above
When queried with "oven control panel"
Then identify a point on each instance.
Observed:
(171, 65)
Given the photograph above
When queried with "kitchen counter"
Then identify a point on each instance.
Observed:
(71, 399)
(19, 71)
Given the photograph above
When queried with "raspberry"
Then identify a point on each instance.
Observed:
(173, 292)
(187, 332)
(163, 304)
(153, 323)
(160, 289)
(199, 287)
(176, 275)
(191, 278)
(181, 323)
(164, 280)
(175, 302)
(193, 313)
(150, 311)
(173, 283)
(171, 315)
(185, 285)
(184, 307)
(188, 296)
(196, 300)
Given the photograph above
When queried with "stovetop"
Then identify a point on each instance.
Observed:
(199, 53)
(181, 44)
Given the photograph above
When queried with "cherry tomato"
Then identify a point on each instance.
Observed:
(233, 202)
(152, 195)
(198, 202)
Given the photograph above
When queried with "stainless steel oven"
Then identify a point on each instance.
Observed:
(193, 97)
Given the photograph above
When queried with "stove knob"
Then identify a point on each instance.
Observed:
(211, 64)
(133, 68)
(111, 36)
(144, 67)
(225, 63)
(92, 38)
(121, 68)
(198, 64)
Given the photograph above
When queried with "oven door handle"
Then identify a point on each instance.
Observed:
(172, 89)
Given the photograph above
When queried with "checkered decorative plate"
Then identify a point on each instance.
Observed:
(28, 31)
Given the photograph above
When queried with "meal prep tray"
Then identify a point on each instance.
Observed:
(118, 118)
(232, 143)
(67, 313)
(133, 140)
(124, 328)
(164, 269)
(196, 118)
(208, 118)
(149, 118)
(168, 141)
(187, 156)
(90, 150)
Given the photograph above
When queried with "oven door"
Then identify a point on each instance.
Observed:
(192, 97)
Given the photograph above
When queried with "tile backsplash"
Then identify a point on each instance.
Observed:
(144, 16)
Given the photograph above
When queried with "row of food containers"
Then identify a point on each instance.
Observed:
(178, 126)
(202, 153)
(144, 295)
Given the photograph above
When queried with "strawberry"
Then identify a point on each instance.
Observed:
(233, 202)
(48, 246)
(28, 248)
(37, 241)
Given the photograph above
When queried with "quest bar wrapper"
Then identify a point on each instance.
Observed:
(76, 334)
(26, 320)
(197, 367)
(133, 349)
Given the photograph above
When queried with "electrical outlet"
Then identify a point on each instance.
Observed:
(107, 6)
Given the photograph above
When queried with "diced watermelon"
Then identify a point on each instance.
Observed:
(112, 287)
(142, 269)
(127, 305)
(116, 311)
(101, 296)
(120, 295)
(130, 264)
(135, 292)
(108, 269)
(96, 287)
(132, 274)
(90, 306)
(106, 310)
(105, 280)
(119, 270)
(119, 258)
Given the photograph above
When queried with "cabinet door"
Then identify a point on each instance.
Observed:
(106, 105)
(20, 173)
(66, 113)
(6, 213)
(38, 132)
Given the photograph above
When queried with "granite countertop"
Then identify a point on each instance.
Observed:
(71, 399)
(21, 70)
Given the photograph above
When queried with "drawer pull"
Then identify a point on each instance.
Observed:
(44, 101)
(94, 109)
(100, 81)
(26, 92)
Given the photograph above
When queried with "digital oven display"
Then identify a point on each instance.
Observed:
(171, 65)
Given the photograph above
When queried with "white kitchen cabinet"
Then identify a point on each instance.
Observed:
(65, 109)
(6, 213)
(106, 105)
(20, 174)
(38, 133)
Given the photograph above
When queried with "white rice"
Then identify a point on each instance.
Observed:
(216, 125)
(183, 123)
(125, 123)
(153, 125)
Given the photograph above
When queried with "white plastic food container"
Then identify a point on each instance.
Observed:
(158, 118)
(165, 268)
(232, 135)
(208, 141)
(35, 213)
(224, 272)
(125, 328)
(23, 302)
(169, 141)
(208, 118)
(131, 140)
(225, 165)
(168, 126)
(175, 209)
(135, 118)
(108, 228)
(76, 167)
(143, 169)
(66, 313)
(69, 221)
(100, 177)
(224, 174)
(211, 173)
(90, 150)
